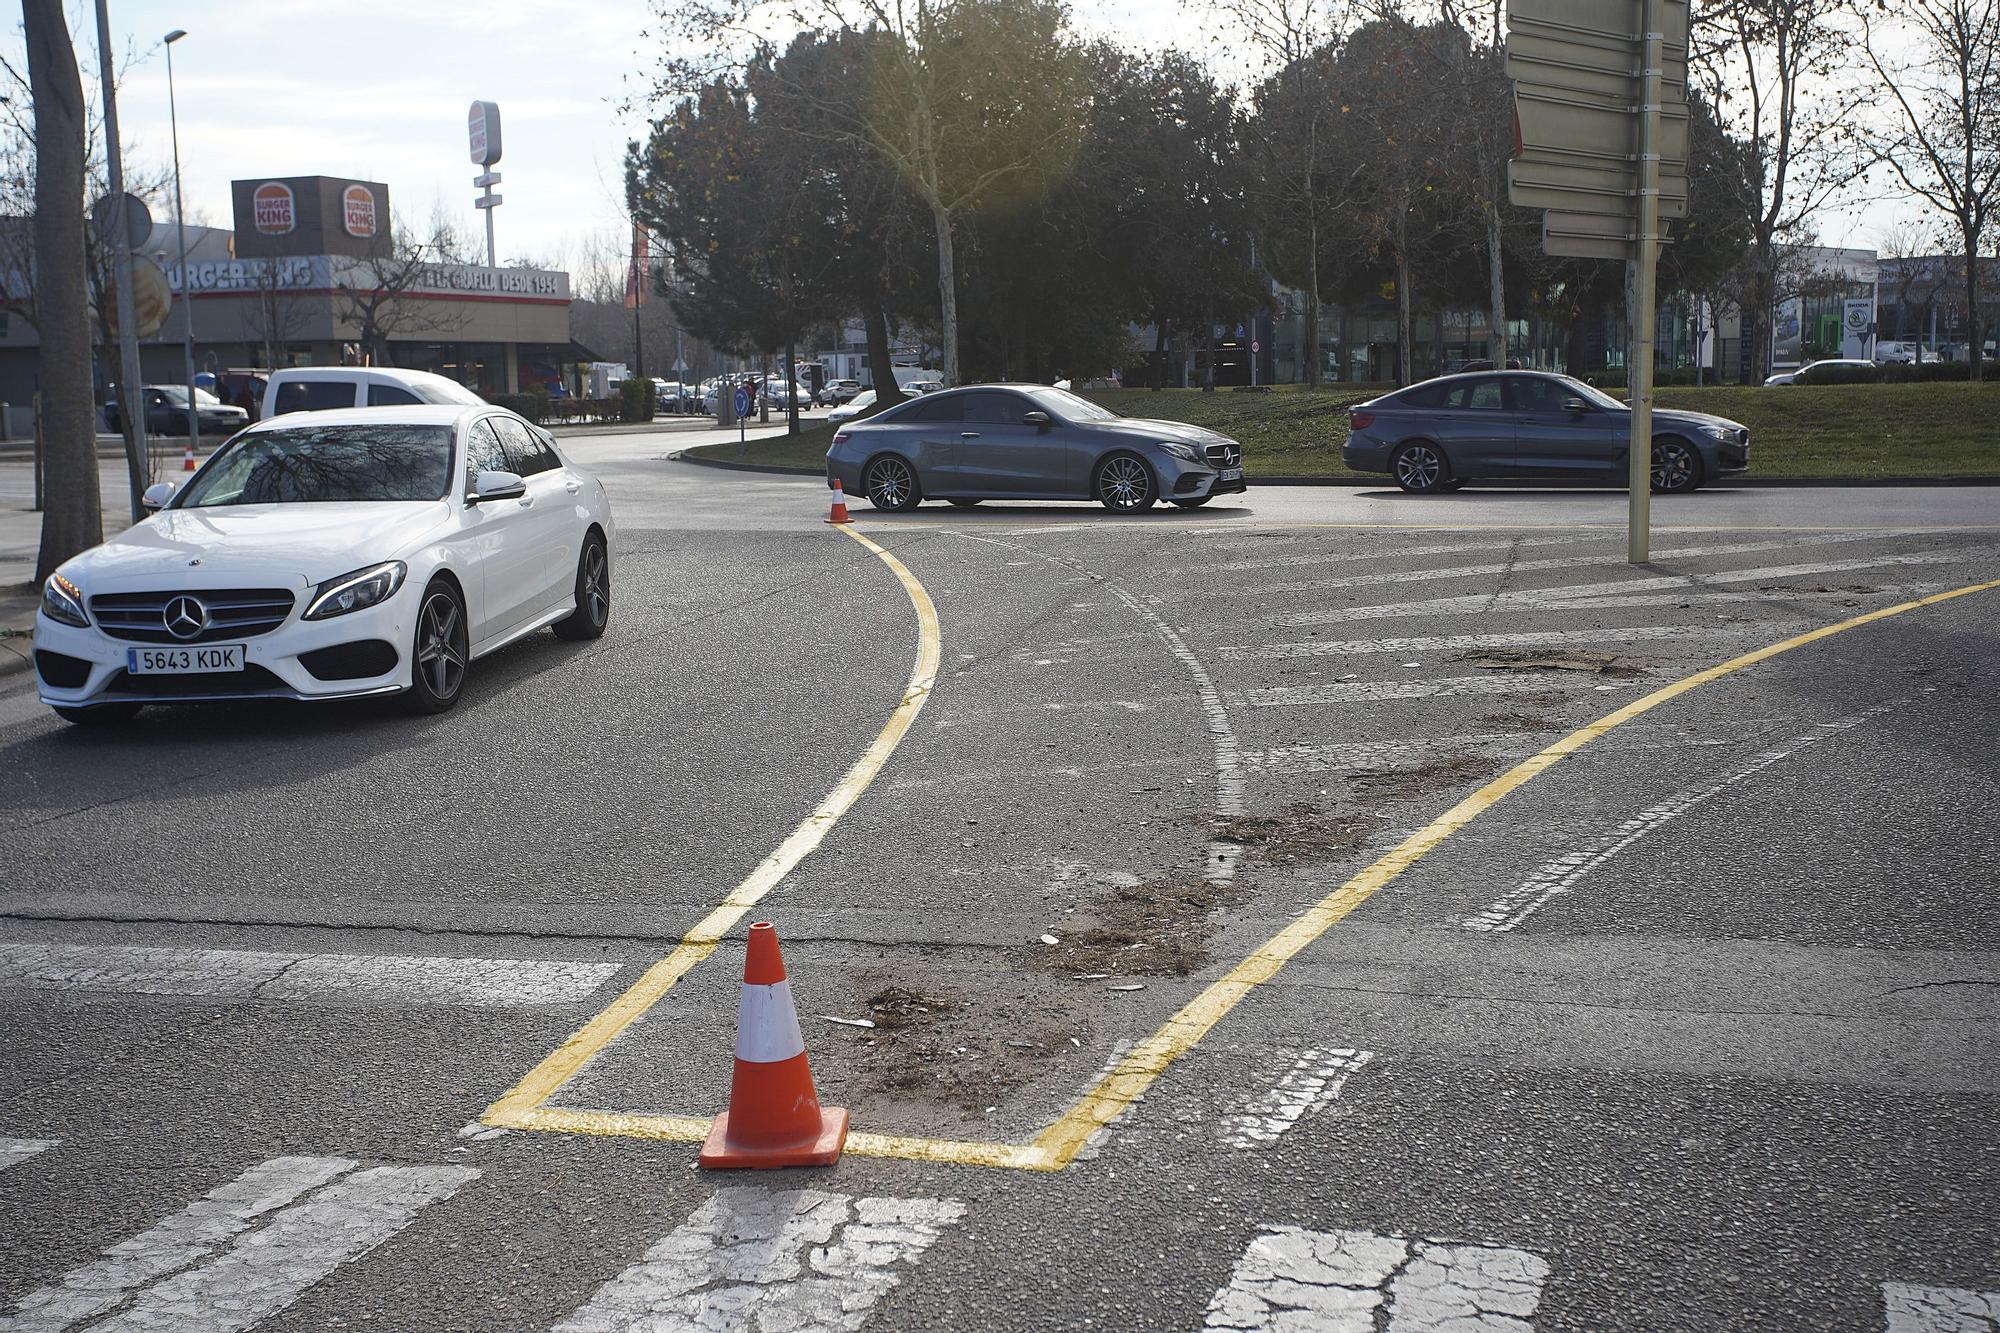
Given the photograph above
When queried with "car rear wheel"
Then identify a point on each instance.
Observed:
(1125, 484)
(1421, 469)
(439, 655)
(1676, 466)
(593, 592)
(98, 715)
(891, 484)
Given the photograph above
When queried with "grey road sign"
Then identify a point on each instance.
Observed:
(122, 220)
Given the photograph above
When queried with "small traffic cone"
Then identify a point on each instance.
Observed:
(774, 1116)
(839, 514)
(187, 458)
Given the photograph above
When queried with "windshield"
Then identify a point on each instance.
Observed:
(1070, 407)
(1590, 395)
(866, 399)
(178, 395)
(442, 390)
(326, 464)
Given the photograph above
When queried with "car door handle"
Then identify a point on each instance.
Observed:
(968, 435)
(527, 501)
(572, 486)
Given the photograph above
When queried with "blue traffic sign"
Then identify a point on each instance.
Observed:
(742, 401)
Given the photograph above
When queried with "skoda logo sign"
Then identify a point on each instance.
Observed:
(185, 617)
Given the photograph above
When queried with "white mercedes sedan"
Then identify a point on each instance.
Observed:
(329, 555)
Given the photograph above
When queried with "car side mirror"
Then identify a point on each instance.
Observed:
(491, 486)
(1575, 405)
(1037, 419)
(156, 496)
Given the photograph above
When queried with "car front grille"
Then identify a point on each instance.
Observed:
(233, 613)
(1224, 455)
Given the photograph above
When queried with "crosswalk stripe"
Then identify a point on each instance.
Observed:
(1290, 759)
(1546, 563)
(13, 1152)
(752, 1258)
(1346, 1282)
(1313, 1081)
(1372, 691)
(1348, 556)
(1910, 1308)
(250, 974)
(1443, 643)
(1567, 596)
(193, 1234)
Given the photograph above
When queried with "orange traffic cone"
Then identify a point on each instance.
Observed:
(187, 458)
(839, 514)
(774, 1116)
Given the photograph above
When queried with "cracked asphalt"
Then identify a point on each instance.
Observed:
(1693, 1030)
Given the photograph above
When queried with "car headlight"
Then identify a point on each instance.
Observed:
(62, 602)
(357, 591)
(1179, 450)
(1716, 432)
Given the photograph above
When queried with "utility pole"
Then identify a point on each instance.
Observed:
(1639, 472)
(132, 389)
(180, 229)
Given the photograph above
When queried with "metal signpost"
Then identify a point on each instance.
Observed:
(117, 225)
(1601, 133)
(482, 128)
(740, 400)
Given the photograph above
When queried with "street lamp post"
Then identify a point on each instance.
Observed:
(180, 228)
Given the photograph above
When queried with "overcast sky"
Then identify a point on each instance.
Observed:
(379, 91)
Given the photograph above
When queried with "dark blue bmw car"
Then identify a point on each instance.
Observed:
(1528, 425)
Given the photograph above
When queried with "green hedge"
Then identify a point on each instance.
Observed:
(1838, 374)
(533, 406)
(1931, 372)
(637, 400)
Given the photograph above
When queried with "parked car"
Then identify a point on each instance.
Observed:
(923, 386)
(1529, 425)
(322, 388)
(1792, 376)
(775, 389)
(1028, 442)
(328, 556)
(167, 412)
(852, 408)
(1903, 354)
(836, 392)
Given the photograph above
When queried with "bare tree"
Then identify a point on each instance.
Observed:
(1767, 67)
(74, 518)
(384, 296)
(276, 315)
(1906, 244)
(1943, 139)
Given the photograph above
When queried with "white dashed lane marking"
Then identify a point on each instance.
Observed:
(1359, 755)
(13, 1152)
(800, 1260)
(1309, 1085)
(241, 1252)
(1909, 1308)
(246, 974)
(1358, 1282)
(1560, 874)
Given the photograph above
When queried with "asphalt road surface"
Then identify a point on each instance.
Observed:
(1233, 959)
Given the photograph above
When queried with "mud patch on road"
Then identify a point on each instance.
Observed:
(1157, 927)
(1303, 832)
(1517, 722)
(1588, 660)
(935, 1048)
(1817, 587)
(1376, 786)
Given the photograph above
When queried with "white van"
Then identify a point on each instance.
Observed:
(320, 388)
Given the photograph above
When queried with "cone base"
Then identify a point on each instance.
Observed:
(836, 520)
(718, 1151)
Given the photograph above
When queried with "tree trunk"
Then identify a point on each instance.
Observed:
(1757, 319)
(947, 294)
(791, 386)
(1312, 309)
(881, 368)
(1976, 354)
(73, 518)
(1158, 369)
(1496, 289)
(1405, 336)
(1208, 366)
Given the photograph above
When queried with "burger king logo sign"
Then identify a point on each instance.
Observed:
(358, 210)
(273, 209)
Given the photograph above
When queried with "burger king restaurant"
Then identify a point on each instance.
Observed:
(310, 276)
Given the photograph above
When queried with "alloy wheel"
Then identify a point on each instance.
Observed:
(1123, 483)
(441, 644)
(890, 484)
(596, 584)
(1674, 466)
(1418, 468)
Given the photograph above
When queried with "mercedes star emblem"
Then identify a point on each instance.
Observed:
(185, 617)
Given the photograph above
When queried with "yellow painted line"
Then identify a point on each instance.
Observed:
(1131, 1077)
(1125, 1082)
(567, 1060)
